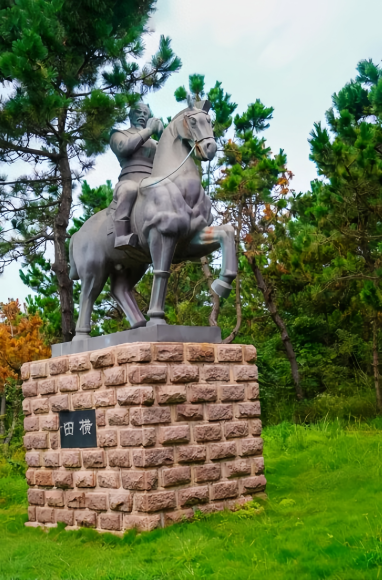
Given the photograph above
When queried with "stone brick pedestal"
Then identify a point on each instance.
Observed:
(178, 430)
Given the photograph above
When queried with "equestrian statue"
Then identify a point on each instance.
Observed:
(160, 214)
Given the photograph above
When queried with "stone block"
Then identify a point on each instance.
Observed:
(189, 413)
(216, 373)
(168, 352)
(171, 394)
(82, 401)
(153, 457)
(256, 427)
(49, 423)
(207, 432)
(58, 366)
(170, 435)
(65, 516)
(224, 490)
(205, 473)
(67, 383)
(120, 501)
(102, 358)
(232, 393)
(109, 479)
(84, 479)
(91, 381)
(40, 406)
(184, 373)
(202, 393)
(31, 424)
(32, 459)
(191, 454)
(253, 391)
(222, 450)
(118, 417)
(250, 353)
(96, 501)
(252, 446)
(134, 353)
(38, 370)
(119, 458)
(94, 458)
(86, 519)
(26, 407)
(178, 516)
(237, 468)
(25, 371)
(148, 374)
(131, 437)
(154, 502)
(54, 498)
(111, 522)
(71, 458)
(193, 495)
(140, 480)
(54, 440)
(253, 484)
(114, 376)
(45, 515)
(245, 373)
(51, 459)
(75, 499)
(30, 476)
(150, 416)
(30, 389)
(200, 353)
(248, 410)
(47, 387)
(236, 429)
(59, 403)
(104, 398)
(107, 438)
(79, 362)
(176, 476)
(219, 412)
(135, 396)
(229, 353)
(36, 441)
(258, 465)
(101, 417)
(145, 523)
(149, 437)
(36, 496)
(63, 479)
(31, 513)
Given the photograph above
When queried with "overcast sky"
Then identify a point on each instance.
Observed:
(293, 55)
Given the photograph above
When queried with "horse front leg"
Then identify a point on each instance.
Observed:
(225, 237)
(162, 250)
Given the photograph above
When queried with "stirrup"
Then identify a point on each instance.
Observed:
(126, 242)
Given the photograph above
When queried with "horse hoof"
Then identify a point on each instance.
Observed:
(156, 321)
(140, 324)
(126, 242)
(81, 336)
(221, 288)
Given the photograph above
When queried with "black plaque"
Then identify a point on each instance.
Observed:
(78, 429)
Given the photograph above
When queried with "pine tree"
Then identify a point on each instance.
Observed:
(70, 71)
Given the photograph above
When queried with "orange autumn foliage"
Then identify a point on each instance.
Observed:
(20, 341)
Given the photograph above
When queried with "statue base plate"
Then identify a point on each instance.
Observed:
(158, 333)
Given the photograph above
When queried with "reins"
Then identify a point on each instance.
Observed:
(169, 175)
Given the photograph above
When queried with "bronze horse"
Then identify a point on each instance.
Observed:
(172, 219)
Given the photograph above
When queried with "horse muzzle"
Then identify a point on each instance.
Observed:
(206, 149)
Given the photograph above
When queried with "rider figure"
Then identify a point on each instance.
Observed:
(135, 151)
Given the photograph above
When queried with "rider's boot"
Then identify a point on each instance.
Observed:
(124, 238)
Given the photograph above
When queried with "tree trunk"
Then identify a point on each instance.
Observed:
(213, 319)
(377, 385)
(270, 304)
(60, 266)
(2, 414)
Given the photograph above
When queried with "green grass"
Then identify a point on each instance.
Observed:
(323, 519)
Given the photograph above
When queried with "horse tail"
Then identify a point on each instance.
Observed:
(73, 274)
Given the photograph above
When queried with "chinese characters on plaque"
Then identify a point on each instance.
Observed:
(78, 429)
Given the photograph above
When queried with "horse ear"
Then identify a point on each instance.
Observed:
(190, 101)
(203, 105)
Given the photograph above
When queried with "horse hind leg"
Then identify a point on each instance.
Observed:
(92, 284)
(121, 288)
(162, 250)
(225, 237)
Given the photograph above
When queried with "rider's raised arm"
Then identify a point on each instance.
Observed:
(124, 146)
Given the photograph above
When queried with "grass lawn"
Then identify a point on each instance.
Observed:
(323, 519)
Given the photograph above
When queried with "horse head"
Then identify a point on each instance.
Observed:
(196, 128)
